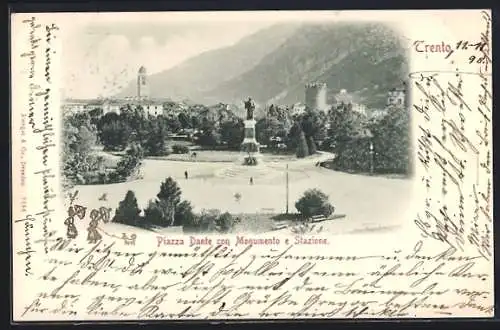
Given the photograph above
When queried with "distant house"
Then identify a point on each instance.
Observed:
(72, 107)
(359, 108)
(77, 105)
(111, 106)
(345, 98)
(377, 113)
(396, 97)
(153, 108)
(298, 109)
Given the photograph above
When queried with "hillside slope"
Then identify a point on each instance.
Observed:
(364, 59)
(194, 77)
(273, 66)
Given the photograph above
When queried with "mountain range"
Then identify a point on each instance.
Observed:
(274, 65)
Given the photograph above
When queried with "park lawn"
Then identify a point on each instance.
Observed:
(204, 156)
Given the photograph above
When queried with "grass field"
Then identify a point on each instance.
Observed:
(219, 157)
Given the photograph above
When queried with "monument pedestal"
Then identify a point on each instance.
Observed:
(250, 146)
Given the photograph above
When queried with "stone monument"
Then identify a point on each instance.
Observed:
(250, 146)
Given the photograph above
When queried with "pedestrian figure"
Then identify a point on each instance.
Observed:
(186, 174)
(251, 180)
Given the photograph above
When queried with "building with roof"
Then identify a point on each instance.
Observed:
(150, 107)
(343, 97)
(396, 97)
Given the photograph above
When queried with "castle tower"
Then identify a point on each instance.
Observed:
(316, 94)
(142, 84)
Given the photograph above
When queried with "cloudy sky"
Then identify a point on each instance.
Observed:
(99, 57)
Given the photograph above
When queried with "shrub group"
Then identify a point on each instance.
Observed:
(180, 149)
(168, 209)
(314, 202)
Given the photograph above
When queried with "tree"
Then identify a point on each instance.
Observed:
(231, 132)
(312, 124)
(128, 212)
(311, 144)
(79, 162)
(344, 126)
(184, 214)
(130, 163)
(184, 120)
(155, 144)
(86, 140)
(195, 122)
(266, 128)
(302, 149)
(115, 135)
(314, 202)
(209, 136)
(173, 124)
(391, 141)
(292, 140)
(168, 198)
(153, 214)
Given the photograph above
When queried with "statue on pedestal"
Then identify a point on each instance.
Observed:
(250, 107)
(250, 144)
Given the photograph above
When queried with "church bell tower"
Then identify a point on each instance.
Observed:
(142, 84)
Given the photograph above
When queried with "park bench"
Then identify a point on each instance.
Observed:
(279, 226)
(317, 218)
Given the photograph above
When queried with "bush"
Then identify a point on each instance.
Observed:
(180, 149)
(129, 164)
(209, 221)
(183, 214)
(191, 225)
(354, 156)
(314, 202)
(225, 223)
(153, 214)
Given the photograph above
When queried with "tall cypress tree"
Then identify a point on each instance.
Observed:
(312, 145)
(302, 149)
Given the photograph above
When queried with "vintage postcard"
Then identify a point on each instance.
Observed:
(252, 165)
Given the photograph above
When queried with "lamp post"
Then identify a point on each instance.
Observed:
(371, 157)
(287, 190)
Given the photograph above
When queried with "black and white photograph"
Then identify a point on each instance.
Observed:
(239, 127)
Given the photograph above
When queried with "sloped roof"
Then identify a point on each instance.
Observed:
(343, 96)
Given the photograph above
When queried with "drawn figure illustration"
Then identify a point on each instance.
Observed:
(93, 234)
(129, 240)
(71, 232)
